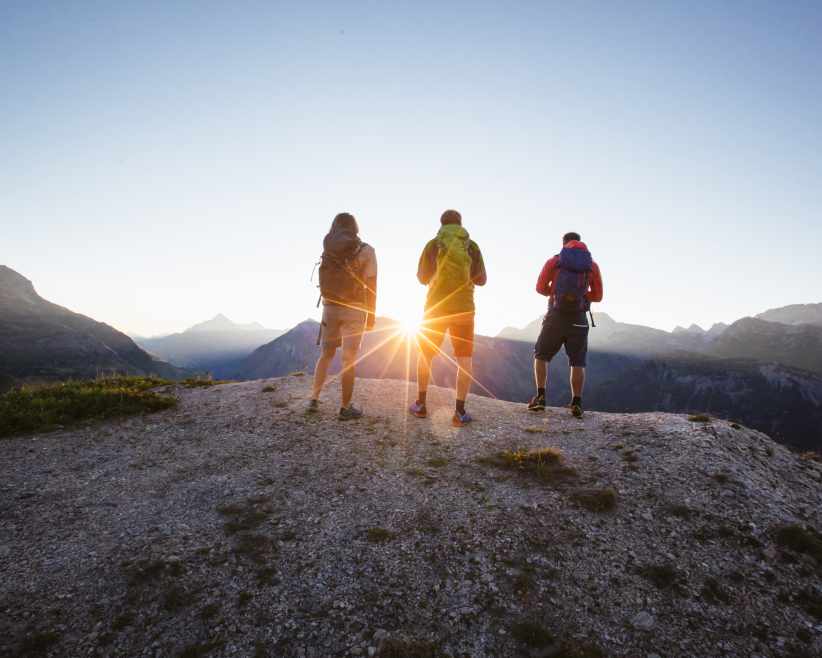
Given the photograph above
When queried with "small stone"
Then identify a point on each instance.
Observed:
(643, 621)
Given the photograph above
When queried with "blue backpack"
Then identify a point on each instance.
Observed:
(572, 281)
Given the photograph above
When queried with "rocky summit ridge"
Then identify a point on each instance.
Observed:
(235, 524)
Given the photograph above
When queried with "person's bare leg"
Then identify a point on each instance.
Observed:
(465, 364)
(423, 373)
(541, 373)
(349, 361)
(577, 381)
(321, 370)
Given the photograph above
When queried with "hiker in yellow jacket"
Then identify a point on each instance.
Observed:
(450, 265)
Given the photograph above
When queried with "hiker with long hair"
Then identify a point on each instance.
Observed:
(450, 265)
(348, 285)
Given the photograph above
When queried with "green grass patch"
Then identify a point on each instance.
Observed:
(437, 462)
(46, 408)
(596, 500)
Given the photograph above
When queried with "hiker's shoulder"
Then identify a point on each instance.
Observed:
(367, 253)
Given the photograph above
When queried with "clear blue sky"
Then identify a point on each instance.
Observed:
(163, 161)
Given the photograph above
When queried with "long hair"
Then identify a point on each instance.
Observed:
(345, 222)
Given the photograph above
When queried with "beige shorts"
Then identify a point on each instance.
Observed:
(340, 322)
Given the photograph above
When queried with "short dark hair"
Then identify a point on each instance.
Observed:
(450, 217)
(345, 222)
(572, 235)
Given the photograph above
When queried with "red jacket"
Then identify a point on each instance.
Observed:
(545, 282)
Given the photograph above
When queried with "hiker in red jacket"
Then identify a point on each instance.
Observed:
(571, 280)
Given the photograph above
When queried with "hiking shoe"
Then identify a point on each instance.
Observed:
(576, 410)
(313, 406)
(350, 413)
(461, 419)
(418, 409)
(537, 403)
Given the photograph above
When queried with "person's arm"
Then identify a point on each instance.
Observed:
(478, 274)
(594, 294)
(370, 302)
(370, 277)
(546, 277)
(427, 267)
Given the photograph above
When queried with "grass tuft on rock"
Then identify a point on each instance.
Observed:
(799, 539)
(531, 634)
(546, 464)
(596, 500)
(45, 408)
(203, 382)
(379, 535)
(39, 644)
(395, 648)
(663, 576)
(714, 593)
(699, 418)
(572, 649)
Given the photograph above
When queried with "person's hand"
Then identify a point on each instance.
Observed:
(369, 321)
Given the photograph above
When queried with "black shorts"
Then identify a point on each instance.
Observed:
(568, 330)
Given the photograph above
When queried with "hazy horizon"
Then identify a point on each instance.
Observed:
(168, 163)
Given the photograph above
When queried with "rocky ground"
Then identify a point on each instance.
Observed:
(237, 525)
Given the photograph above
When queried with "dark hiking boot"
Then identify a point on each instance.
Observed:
(313, 406)
(576, 410)
(350, 413)
(537, 403)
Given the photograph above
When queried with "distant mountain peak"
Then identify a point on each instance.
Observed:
(221, 323)
(13, 284)
(794, 314)
(693, 329)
